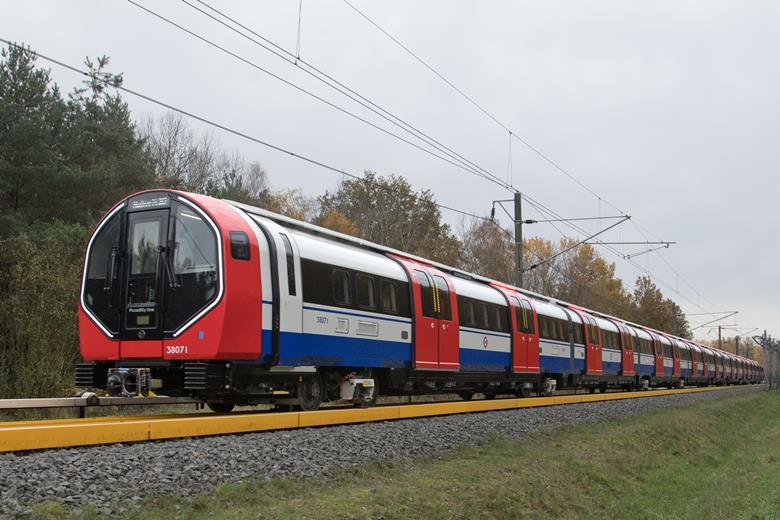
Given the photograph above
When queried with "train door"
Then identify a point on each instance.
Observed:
(146, 243)
(449, 332)
(718, 366)
(658, 352)
(627, 345)
(436, 333)
(676, 361)
(593, 360)
(525, 337)
(694, 362)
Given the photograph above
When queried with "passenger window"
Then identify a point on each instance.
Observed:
(444, 298)
(484, 317)
(426, 292)
(498, 320)
(288, 252)
(365, 291)
(578, 337)
(388, 297)
(524, 316)
(529, 313)
(341, 293)
(471, 315)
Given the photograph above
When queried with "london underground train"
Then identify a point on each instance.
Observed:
(188, 295)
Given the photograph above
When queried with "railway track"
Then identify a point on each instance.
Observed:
(64, 433)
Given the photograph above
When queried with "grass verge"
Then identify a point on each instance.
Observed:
(714, 459)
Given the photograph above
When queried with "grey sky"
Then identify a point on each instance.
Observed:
(666, 109)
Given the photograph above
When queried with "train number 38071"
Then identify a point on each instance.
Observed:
(176, 349)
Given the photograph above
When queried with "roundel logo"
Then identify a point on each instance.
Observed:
(484, 341)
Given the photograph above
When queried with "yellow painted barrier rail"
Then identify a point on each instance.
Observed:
(63, 433)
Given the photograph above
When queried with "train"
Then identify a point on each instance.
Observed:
(188, 295)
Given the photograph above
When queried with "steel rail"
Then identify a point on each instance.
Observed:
(63, 433)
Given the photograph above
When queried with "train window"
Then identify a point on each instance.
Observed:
(388, 298)
(610, 339)
(578, 334)
(466, 312)
(645, 346)
(667, 350)
(426, 292)
(525, 317)
(341, 292)
(498, 318)
(483, 316)
(365, 291)
(101, 288)
(239, 245)
(288, 252)
(544, 329)
(445, 306)
(195, 268)
(593, 331)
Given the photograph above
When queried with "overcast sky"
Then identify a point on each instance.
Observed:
(668, 110)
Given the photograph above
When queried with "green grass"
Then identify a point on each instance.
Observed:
(716, 459)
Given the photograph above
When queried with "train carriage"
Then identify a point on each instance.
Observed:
(184, 294)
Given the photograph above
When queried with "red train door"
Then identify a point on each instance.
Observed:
(449, 333)
(436, 334)
(593, 356)
(627, 350)
(525, 339)
(658, 351)
(675, 357)
(694, 361)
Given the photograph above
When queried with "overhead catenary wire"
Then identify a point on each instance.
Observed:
(340, 87)
(583, 241)
(212, 123)
(490, 176)
(546, 158)
(547, 211)
(454, 162)
(463, 164)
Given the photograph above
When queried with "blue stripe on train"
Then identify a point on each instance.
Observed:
(473, 360)
(315, 349)
(561, 365)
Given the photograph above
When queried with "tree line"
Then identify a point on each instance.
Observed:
(66, 158)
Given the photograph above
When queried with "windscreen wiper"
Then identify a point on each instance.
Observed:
(107, 287)
(170, 268)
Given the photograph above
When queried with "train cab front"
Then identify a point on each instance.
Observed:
(166, 277)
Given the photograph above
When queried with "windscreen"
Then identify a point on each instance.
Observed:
(193, 268)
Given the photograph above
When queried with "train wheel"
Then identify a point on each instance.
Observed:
(602, 389)
(466, 396)
(220, 407)
(591, 389)
(310, 392)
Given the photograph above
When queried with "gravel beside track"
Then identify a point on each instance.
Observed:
(117, 476)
